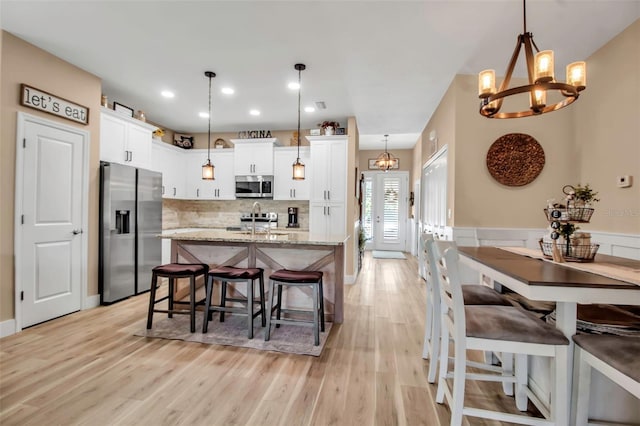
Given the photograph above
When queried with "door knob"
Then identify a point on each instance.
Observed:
(77, 231)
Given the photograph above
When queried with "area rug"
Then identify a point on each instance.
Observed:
(233, 332)
(379, 254)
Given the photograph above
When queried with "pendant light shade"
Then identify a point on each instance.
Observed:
(386, 160)
(298, 166)
(208, 170)
(540, 69)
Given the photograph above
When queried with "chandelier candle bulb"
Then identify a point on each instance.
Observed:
(486, 83)
(538, 99)
(543, 66)
(577, 75)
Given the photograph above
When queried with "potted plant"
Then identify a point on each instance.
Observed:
(329, 127)
(585, 196)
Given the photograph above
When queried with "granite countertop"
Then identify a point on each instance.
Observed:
(277, 236)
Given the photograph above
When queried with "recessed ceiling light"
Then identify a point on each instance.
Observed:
(227, 90)
(293, 86)
(309, 109)
(254, 112)
(203, 114)
(168, 94)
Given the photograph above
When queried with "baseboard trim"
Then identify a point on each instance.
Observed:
(91, 302)
(7, 328)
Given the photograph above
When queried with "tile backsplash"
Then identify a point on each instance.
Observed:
(220, 214)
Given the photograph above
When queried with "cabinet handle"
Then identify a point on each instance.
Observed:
(174, 191)
(197, 192)
(294, 193)
(162, 189)
(328, 210)
(328, 194)
(130, 155)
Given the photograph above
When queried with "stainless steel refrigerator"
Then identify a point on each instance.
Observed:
(130, 221)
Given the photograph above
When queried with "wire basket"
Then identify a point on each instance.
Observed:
(571, 252)
(573, 214)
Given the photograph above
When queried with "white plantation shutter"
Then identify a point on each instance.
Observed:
(391, 209)
(367, 214)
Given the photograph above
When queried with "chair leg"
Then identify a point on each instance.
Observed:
(321, 306)
(152, 300)
(262, 304)
(223, 299)
(583, 390)
(428, 325)
(192, 302)
(507, 370)
(279, 304)
(250, 308)
(444, 364)
(436, 341)
(560, 389)
(170, 300)
(267, 331)
(316, 320)
(459, 375)
(209, 291)
(521, 370)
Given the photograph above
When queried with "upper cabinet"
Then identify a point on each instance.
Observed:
(170, 161)
(222, 187)
(125, 140)
(328, 168)
(285, 188)
(253, 156)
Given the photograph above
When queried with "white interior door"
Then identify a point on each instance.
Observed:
(390, 215)
(50, 227)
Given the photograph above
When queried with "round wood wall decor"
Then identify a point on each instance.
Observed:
(515, 159)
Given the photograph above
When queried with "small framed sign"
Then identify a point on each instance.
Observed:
(52, 104)
(123, 109)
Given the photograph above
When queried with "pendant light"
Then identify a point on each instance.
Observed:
(208, 168)
(541, 81)
(298, 166)
(386, 160)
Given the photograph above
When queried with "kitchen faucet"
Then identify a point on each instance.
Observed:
(253, 217)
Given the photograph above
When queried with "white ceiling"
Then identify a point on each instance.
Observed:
(387, 63)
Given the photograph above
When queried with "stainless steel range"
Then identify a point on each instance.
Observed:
(263, 221)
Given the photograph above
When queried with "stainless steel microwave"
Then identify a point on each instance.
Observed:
(254, 186)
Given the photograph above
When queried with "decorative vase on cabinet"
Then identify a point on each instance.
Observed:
(328, 131)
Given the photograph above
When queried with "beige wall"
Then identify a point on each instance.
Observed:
(591, 141)
(608, 132)
(25, 63)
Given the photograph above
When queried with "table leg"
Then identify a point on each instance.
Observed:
(566, 317)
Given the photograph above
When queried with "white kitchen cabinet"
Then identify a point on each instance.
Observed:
(328, 185)
(328, 175)
(170, 161)
(125, 140)
(284, 187)
(327, 219)
(253, 157)
(222, 187)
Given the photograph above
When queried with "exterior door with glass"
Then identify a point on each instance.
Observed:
(385, 213)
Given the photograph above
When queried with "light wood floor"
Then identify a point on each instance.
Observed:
(89, 368)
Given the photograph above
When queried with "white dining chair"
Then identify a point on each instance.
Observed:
(616, 357)
(506, 329)
(472, 294)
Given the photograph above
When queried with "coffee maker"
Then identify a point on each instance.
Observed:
(293, 217)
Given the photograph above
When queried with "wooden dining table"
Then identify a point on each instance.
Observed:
(541, 280)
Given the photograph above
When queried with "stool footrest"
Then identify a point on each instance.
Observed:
(302, 323)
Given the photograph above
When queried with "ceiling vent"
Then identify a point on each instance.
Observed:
(320, 105)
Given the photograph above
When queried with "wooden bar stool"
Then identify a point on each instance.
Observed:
(173, 271)
(616, 357)
(231, 274)
(285, 277)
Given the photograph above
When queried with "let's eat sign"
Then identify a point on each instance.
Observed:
(43, 101)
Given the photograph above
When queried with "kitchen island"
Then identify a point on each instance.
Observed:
(271, 251)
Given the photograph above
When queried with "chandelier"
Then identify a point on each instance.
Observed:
(541, 81)
(208, 168)
(298, 166)
(386, 160)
